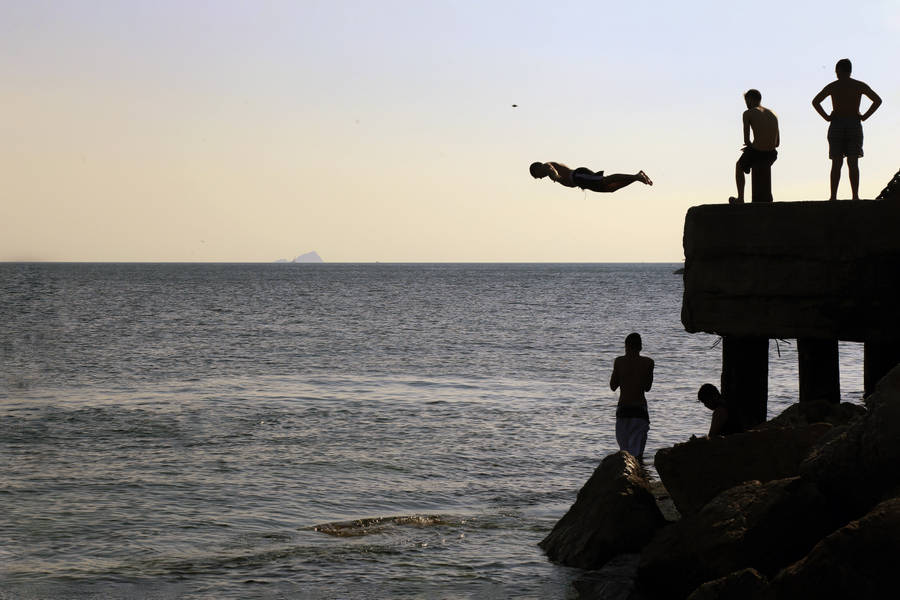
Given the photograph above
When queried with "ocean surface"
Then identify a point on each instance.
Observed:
(186, 430)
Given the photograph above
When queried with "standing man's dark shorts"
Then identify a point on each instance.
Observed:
(751, 157)
(845, 137)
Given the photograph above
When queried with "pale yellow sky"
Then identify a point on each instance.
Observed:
(385, 131)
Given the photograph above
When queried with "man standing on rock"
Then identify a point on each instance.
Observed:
(634, 374)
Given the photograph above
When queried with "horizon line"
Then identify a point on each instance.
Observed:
(371, 262)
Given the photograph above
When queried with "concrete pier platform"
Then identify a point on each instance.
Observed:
(817, 272)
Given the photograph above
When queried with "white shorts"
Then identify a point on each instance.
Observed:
(631, 434)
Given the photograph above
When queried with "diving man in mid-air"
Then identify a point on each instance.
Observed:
(584, 178)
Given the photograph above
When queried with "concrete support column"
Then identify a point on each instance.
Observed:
(745, 377)
(878, 359)
(761, 182)
(820, 374)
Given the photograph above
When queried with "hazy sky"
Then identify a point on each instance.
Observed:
(384, 130)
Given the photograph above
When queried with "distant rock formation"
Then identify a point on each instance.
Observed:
(309, 257)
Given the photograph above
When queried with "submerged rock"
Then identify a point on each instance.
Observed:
(361, 527)
(615, 513)
(695, 472)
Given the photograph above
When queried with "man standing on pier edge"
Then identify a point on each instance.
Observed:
(845, 134)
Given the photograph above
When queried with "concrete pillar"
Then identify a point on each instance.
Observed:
(820, 373)
(761, 182)
(878, 359)
(745, 377)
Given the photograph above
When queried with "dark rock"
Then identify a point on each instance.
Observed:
(615, 513)
(887, 391)
(614, 581)
(746, 584)
(770, 526)
(856, 561)
(807, 413)
(694, 472)
(892, 190)
(766, 526)
(362, 527)
(664, 501)
(859, 467)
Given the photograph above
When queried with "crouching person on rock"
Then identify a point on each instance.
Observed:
(634, 374)
(724, 421)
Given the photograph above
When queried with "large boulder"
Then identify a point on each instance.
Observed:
(746, 584)
(615, 513)
(696, 471)
(859, 467)
(772, 526)
(807, 413)
(856, 561)
(616, 580)
(765, 526)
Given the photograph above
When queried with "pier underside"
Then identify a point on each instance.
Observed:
(817, 272)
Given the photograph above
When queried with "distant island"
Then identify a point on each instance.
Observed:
(309, 257)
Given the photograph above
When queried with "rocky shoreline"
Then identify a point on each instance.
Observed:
(806, 505)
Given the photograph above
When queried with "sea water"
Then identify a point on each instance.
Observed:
(187, 430)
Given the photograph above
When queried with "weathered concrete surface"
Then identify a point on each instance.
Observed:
(745, 378)
(694, 472)
(818, 270)
(615, 513)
